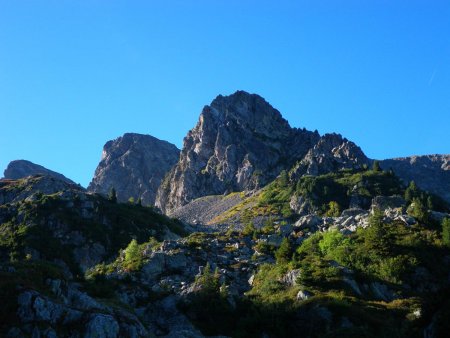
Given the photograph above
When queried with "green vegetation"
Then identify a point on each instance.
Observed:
(112, 196)
(112, 225)
(446, 231)
(133, 256)
(329, 194)
(284, 252)
(389, 254)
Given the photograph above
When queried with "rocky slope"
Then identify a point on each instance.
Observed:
(22, 168)
(68, 267)
(429, 172)
(239, 143)
(134, 165)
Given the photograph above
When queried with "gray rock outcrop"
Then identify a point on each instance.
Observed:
(331, 153)
(239, 143)
(134, 165)
(22, 168)
(429, 172)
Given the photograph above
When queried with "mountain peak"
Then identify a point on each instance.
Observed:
(134, 164)
(22, 168)
(239, 143)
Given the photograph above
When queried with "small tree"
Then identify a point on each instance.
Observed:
(411, 191)
(284, 179)
(209, 280)
(375, 236)
(333, 209)
(112, 196)
(376, 166)
(446, 231)
(418, 210)
(133, 257)
(284, 252)
(430, 203)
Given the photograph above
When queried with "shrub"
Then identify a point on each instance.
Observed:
(446, 231)
(333, 209)
(333, 244)
(284, 252)
(133, 257)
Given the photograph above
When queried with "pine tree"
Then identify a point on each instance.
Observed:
(376, 166)
(284, 252)
(446, 231)
(112, 196)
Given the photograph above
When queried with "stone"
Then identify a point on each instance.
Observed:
(353, 212)
(382, 292)
(251, 280)
(300, 205)
(290, 278)
(309, 221)
(102, 326)
(304, 295)
(352, 283)
(274, 240)
(388, 202)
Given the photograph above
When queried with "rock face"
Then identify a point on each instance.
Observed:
(429, 172)
(22, 168)
(239, 143)
(134, 165)
(331, 153)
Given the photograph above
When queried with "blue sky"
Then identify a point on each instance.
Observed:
(75, 74)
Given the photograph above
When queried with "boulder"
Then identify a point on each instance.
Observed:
(102, 326)
(309, 221)
(290, 278)
(304, 295)
(384, 202)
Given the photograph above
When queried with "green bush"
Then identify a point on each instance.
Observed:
(446, 231)
(133, 257)
(284, 252)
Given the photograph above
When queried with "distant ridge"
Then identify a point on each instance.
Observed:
(23, 168)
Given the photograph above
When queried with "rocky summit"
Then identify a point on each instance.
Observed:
(239, 143)
(22, 168)
(134, 166)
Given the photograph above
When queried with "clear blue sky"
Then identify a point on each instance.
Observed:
(74, 74)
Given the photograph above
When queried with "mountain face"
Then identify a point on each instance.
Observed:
(429, 172)
(239, 143)
(22, 168)
(134, 165)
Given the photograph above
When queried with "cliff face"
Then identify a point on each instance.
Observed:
(429, 172)
(134, 165)
(22, 168)
(239, 143)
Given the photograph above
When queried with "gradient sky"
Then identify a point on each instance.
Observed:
(75, 74)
